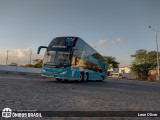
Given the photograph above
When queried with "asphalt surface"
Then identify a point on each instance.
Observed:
(32, 92)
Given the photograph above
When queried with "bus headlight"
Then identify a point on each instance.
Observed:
(63, 72)
(43, 70)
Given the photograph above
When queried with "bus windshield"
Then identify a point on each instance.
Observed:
(56, 58)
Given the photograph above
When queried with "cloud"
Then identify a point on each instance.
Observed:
(20, 56)
(118, 40)
(21, 52)
(112, 42)
(102, 42)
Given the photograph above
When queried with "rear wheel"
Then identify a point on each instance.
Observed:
(81, 78)
(86, 77)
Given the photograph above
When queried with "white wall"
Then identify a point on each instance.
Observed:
(125, 69)
(19, 69)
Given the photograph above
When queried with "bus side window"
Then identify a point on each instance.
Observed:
(77, 60)
(94, 68)
(82, 63)
(73, 62)
(100, 69)
(97, 68)
(89, 66)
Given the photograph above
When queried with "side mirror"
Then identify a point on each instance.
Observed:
(39, 49)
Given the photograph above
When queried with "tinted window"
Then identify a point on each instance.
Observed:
(62, 41)
(59, 41)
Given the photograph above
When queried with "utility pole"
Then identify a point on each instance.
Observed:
(156, 31)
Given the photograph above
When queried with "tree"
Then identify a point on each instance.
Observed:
(142, 69)
(143, 62)
(29, 65)
(111, 60)
(140, 56)
(37, 63)
(152, 57)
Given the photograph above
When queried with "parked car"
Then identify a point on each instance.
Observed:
(114, 75)
(125, 75)
(120, 75)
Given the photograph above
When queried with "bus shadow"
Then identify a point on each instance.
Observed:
(74, 82)
(111, 85)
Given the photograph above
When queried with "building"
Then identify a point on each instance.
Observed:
(122, 72)
(125, 69)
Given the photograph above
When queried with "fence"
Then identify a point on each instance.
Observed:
(19, 69)
(19, 57)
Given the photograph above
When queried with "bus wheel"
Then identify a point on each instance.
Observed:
(86, 77)
(81, 76)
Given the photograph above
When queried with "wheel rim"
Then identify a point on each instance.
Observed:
(85, 77)
(81, 77)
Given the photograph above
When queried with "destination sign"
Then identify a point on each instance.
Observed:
(58, 46)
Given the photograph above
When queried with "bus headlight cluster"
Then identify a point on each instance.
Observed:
(43, 70)
(63, 72)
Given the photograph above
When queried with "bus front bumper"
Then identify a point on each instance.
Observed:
(54, 74)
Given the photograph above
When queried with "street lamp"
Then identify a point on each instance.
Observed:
(156, 31)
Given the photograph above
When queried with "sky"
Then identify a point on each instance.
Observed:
(114, 28)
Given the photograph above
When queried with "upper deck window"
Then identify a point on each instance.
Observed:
(62, 42)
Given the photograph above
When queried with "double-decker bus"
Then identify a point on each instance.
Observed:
(71, 58)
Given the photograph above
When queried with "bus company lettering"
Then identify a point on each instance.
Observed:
(58, 46)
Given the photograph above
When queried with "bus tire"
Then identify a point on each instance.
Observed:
(86, 77)
(81, 76)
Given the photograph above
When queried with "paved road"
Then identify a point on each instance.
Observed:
(27, 92)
